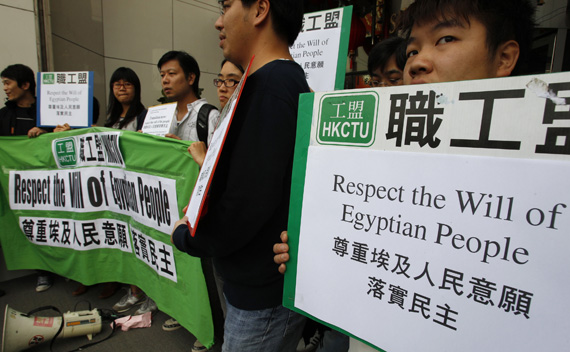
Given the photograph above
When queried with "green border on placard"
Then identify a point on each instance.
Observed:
(304, 119)
(302, 143)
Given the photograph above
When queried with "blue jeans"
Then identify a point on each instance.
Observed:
(269, 330)
(334, 341)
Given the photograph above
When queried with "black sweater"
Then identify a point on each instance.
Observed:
(16, 121)
(249, 195)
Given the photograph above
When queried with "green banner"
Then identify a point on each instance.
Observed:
(98, 205)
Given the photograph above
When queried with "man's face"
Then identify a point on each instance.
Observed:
(12, 90)
(231, 74)
(234, 27)
(390, 76)
(449, 51)
(174, 83)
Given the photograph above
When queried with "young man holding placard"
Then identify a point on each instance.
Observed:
(455, 41)
(249, 193)
(463, 40)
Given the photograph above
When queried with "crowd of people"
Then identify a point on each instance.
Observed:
(243, 238)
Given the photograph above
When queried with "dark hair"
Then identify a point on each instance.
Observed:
(504, 20)
(236, 65)
(115, 108)
(21, 74)
(188, 63)
(95, 109)
(286, 16)
(383, 51)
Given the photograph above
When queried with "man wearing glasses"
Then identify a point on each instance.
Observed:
(386, 62)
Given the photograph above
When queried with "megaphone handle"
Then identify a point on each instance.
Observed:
(46, 308)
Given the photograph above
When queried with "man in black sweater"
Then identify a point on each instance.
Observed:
(19, 115)
(249, 195)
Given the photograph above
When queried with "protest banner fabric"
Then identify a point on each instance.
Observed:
(439, 214)
(98, 205)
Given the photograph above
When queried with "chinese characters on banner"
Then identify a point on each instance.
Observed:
(98, 205)
(322, 48)
(439, 209)
(65, 97)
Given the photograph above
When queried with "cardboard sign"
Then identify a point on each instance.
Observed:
(440, 212)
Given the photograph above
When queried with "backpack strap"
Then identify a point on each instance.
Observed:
(202, 122)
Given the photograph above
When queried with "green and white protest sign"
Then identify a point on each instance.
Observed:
(65, 97)
(322, 48)
(98, 205)
(435, 215)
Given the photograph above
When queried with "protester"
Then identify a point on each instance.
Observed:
(194, 120)
(437, 32)
(461, 40)
(458, 40)
(19, 115)
(126, 112)
(225, 84)
(386, 62)
(18, 118)
(249, 194)
(180, 78)
(227, 81)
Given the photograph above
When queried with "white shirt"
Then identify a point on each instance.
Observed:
(186, 128)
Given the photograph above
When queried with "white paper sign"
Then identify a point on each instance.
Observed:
(159, 119)
(65, 97)
(474, 247)
(317, 48)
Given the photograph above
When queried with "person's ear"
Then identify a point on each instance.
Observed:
(191, 79)
(508, 55)
(26, 86)
(262, 11)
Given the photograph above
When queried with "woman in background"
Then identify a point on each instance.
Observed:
(125, 110)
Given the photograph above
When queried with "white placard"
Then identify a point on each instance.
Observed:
(65, 97)
(395, 242)
(318, 48)
(438, 209)
(159, 118)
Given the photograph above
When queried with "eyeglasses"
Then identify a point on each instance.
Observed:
(118, 85)
(229, 83)
(391, 82)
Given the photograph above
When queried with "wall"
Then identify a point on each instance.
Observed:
(18, 47)
(102, 35)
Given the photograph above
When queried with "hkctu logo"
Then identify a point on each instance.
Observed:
(65, 152)
(348, 119)
(48, 78)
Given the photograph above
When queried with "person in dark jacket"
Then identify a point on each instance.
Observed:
(18, 117)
